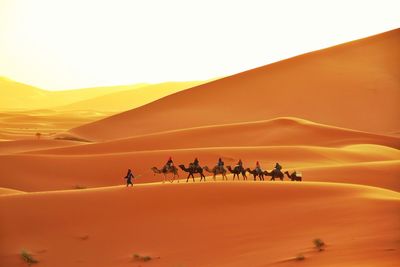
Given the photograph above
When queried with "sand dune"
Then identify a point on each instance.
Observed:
(276, 132)
(11, 147)
(129, 99)
(8, 191)
(26, 110)
(243, 224)
(18, 96)
(52, 172)
(353, 85)
(25, 124)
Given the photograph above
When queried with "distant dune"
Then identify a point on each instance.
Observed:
(129, 99)
(223, 224)
(17, 96)
(354, 85)
(276, 132)
(26, 110)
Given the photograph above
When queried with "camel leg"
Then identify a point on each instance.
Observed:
(187, 180)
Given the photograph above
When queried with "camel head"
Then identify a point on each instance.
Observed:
(182, 167)
(155, 170)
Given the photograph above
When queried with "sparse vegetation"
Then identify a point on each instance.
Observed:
(38, 135)
(28, 258)
(141, 258)
(319, 244)
(84, 237)
(300, 257)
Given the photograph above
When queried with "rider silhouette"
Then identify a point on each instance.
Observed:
(278, 167)
(129, 177)
(169, 164)
(240, 163)
(195, 163)
(220, 163)
(258, 166)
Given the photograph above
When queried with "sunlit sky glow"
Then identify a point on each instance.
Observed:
(63, 44)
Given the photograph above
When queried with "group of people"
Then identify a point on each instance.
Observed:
(195, 164)
(220, 164)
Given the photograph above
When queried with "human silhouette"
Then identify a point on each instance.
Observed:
(195, 163)
(220, 164)
(129, 177)
(169, 164)
(277, 168)
(258, 167)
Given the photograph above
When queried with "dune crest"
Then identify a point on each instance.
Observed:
(353, 85)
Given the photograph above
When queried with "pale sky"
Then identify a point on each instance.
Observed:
(64, 44)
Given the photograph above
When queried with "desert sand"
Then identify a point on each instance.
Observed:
(331, 115)
(213, 224)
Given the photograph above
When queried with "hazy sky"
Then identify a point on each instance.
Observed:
(60, 44)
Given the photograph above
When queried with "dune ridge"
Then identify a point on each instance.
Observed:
(275, 132)
(333, 86)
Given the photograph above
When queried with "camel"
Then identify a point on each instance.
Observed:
(216, 170)
(165, 171)
(191, 170)
(256, 173)
(274, 174)
(236, 171)
(294, 176)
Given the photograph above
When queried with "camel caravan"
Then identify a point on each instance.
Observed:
(219, 169)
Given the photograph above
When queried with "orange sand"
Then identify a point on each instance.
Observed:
(331, 114)
(223, 224)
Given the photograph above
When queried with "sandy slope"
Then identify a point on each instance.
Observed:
(19, 96)
(353, 85)
(129, 99)
(49, 172)
(276, 132)
(243, 224)
(25, 124)
(25, 110)
(10, 147)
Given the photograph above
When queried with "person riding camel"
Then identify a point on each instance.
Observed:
(195, 163)
(277, 168)
(169, 164)
(220, 164)
(258, 167)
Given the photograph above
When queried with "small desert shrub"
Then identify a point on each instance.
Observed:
(300, 257)
(319, 244)
(27, 257)
(141, 258)
(80, 187)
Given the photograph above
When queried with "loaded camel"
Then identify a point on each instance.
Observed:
(236, 171)
(256, 173)
(215, 171)
(191, 170)
(274, 174)
(294, 176)
(165, 170)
